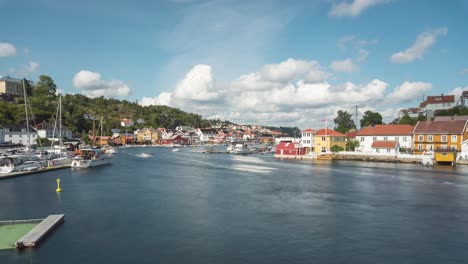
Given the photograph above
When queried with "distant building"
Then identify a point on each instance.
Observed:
(327, 138)
(125, 122)
(308, 140)
(12, 86)
(18, 134)
(448, 118)
(441, 102)
(288, 148)
(463, 101)
(411, 112)
(50, 131)
(432, 135)
(400, 134)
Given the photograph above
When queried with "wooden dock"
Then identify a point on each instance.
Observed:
(32, 238)
(24, 173)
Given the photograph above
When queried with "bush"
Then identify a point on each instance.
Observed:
(336, 148)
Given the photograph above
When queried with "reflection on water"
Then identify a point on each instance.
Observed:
(155, 205)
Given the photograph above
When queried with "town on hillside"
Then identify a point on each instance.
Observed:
(438, 124)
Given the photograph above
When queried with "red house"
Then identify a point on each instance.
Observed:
(289, 148)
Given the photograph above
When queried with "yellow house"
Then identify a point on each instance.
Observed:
(12, 86)
(433, 135)
(327, 138)
(148, 134)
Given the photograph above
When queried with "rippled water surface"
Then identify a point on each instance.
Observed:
(154, 205)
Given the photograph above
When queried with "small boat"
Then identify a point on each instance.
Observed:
(91, 157)
(14, 164)
(241, 149)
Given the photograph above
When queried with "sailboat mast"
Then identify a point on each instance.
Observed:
(60, 124)
(26, 110)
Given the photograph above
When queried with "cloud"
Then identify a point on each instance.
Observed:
(354, 8)
(7, 50)
(90, 84)
(26, 69)
(408, 91)
(458, 91)
(356, 45)
(423, 42)
(346, 65)
(276, 94)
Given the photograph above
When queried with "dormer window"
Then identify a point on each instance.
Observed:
(23, 130)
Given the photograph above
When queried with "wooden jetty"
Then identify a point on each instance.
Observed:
(24, 173)
(32, 238)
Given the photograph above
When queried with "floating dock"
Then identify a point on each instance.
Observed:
(32, 238)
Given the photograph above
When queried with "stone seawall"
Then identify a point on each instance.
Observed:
(371, 158)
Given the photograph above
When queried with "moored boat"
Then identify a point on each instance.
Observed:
(91, 157)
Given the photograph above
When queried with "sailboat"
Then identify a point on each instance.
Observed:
(63, 157)
(91, 156)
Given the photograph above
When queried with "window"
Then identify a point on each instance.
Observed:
(430, 147)
(378, 150)
(453, 147)
(454, 138)
(323, 148)
(374, 138)
(429, 138)
(388, 150)
(443, 147)
(396, 138)
(404, 139)
(362, 139)
(420, 138)
(420, 147)
(323, 139)
(385, 138)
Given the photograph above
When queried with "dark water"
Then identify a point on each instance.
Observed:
(188, 207)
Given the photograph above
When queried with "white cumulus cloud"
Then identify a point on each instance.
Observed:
(408, 91)
(26, 69)
(164, 98)
(90, 84)
(7, 50)
(423, 42)
(346, 65)
(458, 91)
(353, 8)
(198, 85)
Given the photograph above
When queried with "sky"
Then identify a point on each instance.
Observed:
(288, 63)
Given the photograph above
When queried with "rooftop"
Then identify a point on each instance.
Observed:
(440, 127)
(384, 144)
(329, 132)
(386, 130)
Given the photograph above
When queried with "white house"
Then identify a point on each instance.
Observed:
(464, 150)
(50, 131)
(18, 134)
(307, 140)
(440, 102)
(399, 135)
(125, 122)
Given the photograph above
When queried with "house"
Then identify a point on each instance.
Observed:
(148, 135)
(51, 131)
(442, 102)
(12, 86)
(411, 112)
(125, 122)
(207, 134)
(400, 134)
(266, 138)
(288, 148)
(308, 140)
(18, 134)
(463, 101)
(389, 147)
(326, 138)
(432, 135)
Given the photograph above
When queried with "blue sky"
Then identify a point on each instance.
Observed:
(265, 62)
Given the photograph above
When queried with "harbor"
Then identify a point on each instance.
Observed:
(197, 207)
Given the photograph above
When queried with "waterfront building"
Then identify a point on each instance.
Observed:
(51, 131)
(18, 134)
(125, 122)
(289, 148)
(308, 140)
(431, 135)
(385, 138)
(326, 138)
(148, 135)
(440, 102)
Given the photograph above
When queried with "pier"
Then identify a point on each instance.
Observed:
(32, 238)
(24, 173)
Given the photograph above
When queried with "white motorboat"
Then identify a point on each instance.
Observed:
(91, 157)
(14, 164)
(241, 149)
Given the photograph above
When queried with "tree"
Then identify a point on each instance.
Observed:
(336, 148)
(27, 86)
(407, 120)
(371, 118)
(46, 86)
(343, 122)
(352, 145)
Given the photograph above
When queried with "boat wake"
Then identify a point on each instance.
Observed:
(143, 155)
(247, 159)
(251, 168)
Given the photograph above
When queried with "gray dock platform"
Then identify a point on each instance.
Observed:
(32, 238)
(24, 173)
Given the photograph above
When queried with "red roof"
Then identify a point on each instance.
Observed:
(452, 127)
(286, 145)
(384, 144)
(309, 130)
(440, 99)
(386, 130)
(329, 132)
(351, 134)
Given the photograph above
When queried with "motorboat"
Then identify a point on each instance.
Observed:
(91, 157)
(241, 149)
(14, 164)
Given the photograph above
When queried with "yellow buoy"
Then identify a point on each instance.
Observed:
(58, 186)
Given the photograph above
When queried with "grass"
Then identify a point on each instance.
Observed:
(11, 232)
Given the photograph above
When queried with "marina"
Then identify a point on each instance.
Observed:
(202, 208)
